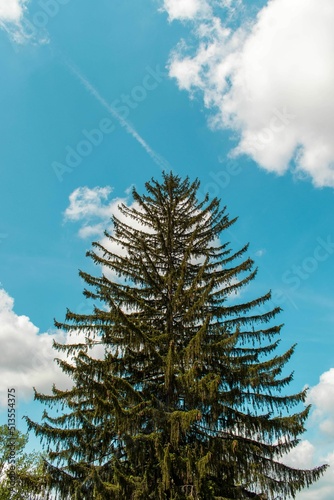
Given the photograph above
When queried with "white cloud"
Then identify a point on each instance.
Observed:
(322, 397)
(321, 450)
(92, 208)
(11, 10)
(271, 81)
(306, 456)
(324, 488)
(86, 203)
(12, 19)
(301, 457)
(27, 356)
(186, 9)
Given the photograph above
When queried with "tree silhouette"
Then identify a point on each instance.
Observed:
(188, 400)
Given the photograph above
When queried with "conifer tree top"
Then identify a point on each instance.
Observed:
(188, 400)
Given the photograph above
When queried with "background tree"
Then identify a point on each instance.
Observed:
(29, 468)
(188, 400)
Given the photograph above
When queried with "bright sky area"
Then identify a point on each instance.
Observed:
(99, 96)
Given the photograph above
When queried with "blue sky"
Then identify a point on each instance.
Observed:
(95, 99)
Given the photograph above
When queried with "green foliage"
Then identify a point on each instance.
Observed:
(28, 468)
(188, 400)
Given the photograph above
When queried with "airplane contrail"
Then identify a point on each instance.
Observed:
(158, 160)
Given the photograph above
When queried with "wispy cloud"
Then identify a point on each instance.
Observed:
(186, 9)
(11, 17)
(261, 252)
(270, 80)
(158, 160)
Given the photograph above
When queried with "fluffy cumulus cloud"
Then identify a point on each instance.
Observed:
(11, 11)
(27, 356)
(321, 450)
(318, 449)
(302, 456)
(321, 396)
(93, 208)
(270, 80)
(305, 456)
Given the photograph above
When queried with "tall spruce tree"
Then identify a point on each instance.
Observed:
(188, 401)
